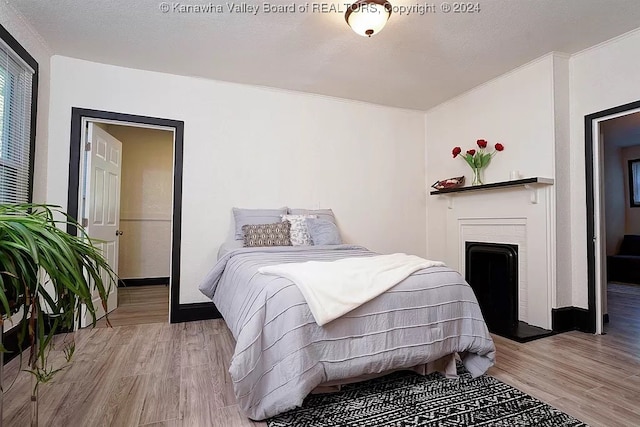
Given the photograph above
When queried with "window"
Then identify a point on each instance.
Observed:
(634, 183)
(18, 85)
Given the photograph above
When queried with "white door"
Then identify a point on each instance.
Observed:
(101, 202)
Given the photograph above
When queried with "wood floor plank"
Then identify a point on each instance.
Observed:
(169, 423)
(141, 350)
(162, 399)
(139, 305)
(16, 402)
(529, 384)
(169, 332)
(597, 413)
(573, 373)
(212, 329)
(233, 416)
(220, 352)
(125, 403)
(194, 345)
(624, 397)
(166, 358)
(50, 398)
(91, 391)
(199, 398)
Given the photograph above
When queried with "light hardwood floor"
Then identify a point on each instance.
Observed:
(595, 378)
(176, 375)
(138, 305)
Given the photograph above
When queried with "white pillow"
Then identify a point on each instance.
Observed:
(320, 213)
(299, 233)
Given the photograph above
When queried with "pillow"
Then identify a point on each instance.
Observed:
(323, 232)
(255, 216)
(320, 213)
(266, 234)
(229, 246)
(299, 234)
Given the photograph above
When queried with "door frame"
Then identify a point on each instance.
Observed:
(177, 313)
(595, 210)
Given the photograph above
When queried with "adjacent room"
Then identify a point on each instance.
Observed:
(143, 225)
(621, 186)
(372, 213)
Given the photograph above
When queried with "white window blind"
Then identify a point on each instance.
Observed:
(15, 127)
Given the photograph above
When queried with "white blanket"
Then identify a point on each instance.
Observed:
(334, 288)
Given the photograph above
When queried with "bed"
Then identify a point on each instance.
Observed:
(282, 354)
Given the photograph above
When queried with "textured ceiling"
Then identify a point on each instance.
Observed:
(417, 61)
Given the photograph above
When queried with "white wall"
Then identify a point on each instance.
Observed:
(516, 110)
(614, 195)
(562, 187)
(601, 77)
(18, 27)
(145, 201)
(632, 215)
(254, 147)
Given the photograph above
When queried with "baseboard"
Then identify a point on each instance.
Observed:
(570, 319)
(10, 341)
(147, 281)
(195, 311)
(184, 313)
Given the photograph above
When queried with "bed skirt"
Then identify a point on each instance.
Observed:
(446, 365)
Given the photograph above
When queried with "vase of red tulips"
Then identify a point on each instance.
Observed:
(478, 159)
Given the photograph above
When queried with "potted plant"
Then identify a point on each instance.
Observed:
(47, 275)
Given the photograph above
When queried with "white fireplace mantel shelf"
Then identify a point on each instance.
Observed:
(530, 184)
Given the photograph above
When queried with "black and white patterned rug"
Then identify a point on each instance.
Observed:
(404, 399)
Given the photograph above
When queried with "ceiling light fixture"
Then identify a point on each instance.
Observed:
(368, 17)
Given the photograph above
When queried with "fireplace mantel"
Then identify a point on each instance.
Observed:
(530, 184)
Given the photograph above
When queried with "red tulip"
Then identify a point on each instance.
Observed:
(482, 143)
(499, 147)
(472, 152)
(456, 151)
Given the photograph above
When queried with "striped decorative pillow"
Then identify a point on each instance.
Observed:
(277, 234)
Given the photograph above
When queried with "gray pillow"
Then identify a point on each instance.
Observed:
(267, 234)
(255, 216)
(323, 232)
(320, 213)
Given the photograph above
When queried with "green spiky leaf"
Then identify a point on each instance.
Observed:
(47, 272)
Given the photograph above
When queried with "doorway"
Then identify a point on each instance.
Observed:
(599, 244)
(143, 233)
(620, 138)
(80, 123)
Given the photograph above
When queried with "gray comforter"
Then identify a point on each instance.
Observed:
(281, 353)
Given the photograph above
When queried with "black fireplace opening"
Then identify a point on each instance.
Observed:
(492, 271)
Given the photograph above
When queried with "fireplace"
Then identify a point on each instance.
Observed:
(492, 271)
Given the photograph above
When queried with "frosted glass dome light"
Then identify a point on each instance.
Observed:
(368, 17)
